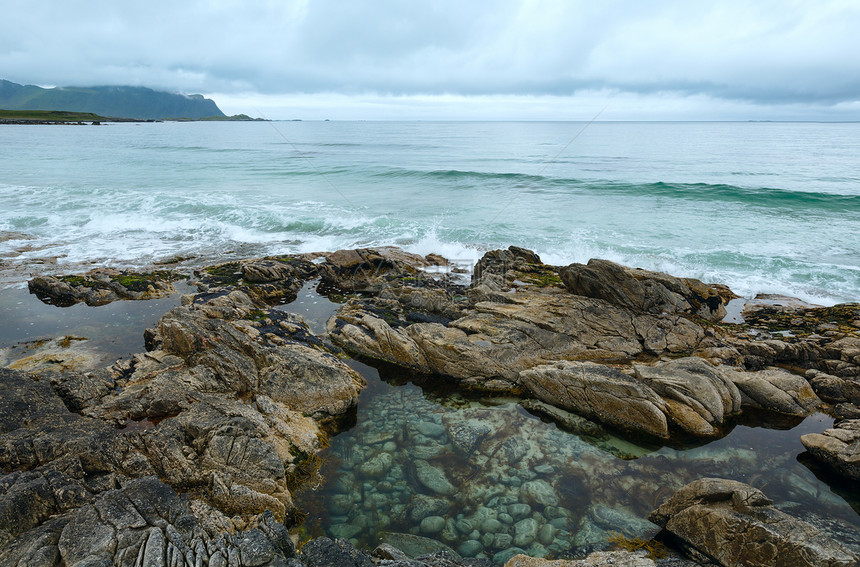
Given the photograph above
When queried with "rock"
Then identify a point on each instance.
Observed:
(735, 524)
(376, 467)
(596, 559)
(620, 520)
(433, 479)
(414, 546)
(470, 548)
(99, 287)
(421, 506)
(599, 392)
(538, 492)
(777, 390)
(525, 532)
(466, 435)
(369, 269)
(838, 448)
(698, 395)
(641, 290)
(144, 520)
(432, 524)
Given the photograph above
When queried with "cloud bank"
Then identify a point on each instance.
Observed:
(453, 59)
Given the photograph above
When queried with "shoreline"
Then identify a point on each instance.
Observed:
(217, 346)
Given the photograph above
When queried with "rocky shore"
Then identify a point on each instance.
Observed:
(191, 452)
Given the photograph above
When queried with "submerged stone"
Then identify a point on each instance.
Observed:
(434, 479)
(538, 492)
(432, 524)
(470, 548)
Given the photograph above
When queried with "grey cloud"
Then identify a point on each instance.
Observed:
(767, 52)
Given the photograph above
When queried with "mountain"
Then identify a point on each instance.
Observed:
(117, 102)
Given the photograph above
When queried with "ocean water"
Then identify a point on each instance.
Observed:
(762, 207)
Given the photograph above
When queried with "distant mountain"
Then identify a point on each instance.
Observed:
(117, 102)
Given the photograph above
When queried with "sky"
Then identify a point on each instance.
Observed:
(455, 59)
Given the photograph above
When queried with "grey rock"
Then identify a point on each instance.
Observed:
(434, 479)
(735, 524)
(838, 448)
(432, 524)
(599, 392)
(538, 492)
(525, 532)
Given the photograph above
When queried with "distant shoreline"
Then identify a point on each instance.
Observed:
(55, 117)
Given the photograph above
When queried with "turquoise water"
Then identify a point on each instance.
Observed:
(762, 207)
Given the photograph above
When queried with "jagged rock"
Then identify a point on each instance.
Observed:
(735, 524)
(369, 269)
(144, 523)
(493, 342)
(641, 290)
(599, 392)
(271, 279)
(99, 287)
(838, 448)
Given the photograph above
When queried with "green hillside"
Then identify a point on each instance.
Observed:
(118, 102)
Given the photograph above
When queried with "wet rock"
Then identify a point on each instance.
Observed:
(369, 269)
(599, 392)
(538, 492)
(103, 286)
(735, 524)
(433, 479)
(414, 546)
(421, 506)
(838, 448)
(466, 435)
(620, 520)
(432, 524)
(376, 467)
(525, 532)
(470, 548)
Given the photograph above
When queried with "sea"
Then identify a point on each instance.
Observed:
(763, 207)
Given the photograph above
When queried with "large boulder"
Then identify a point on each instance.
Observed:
(838, 448)
(733, 524)
(643, 291)
(599, 392)
(698, 396)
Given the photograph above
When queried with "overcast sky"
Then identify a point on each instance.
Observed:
(456, 59)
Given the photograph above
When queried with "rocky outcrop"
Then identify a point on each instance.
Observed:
(373, 269)
(99, 287)
(144, 522)
(599, 392)
(229, 405)
(529, 326)
(274, 279)
(734, 524)
(838, 448)
(643, 291)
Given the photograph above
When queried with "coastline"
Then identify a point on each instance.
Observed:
(218, 346)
